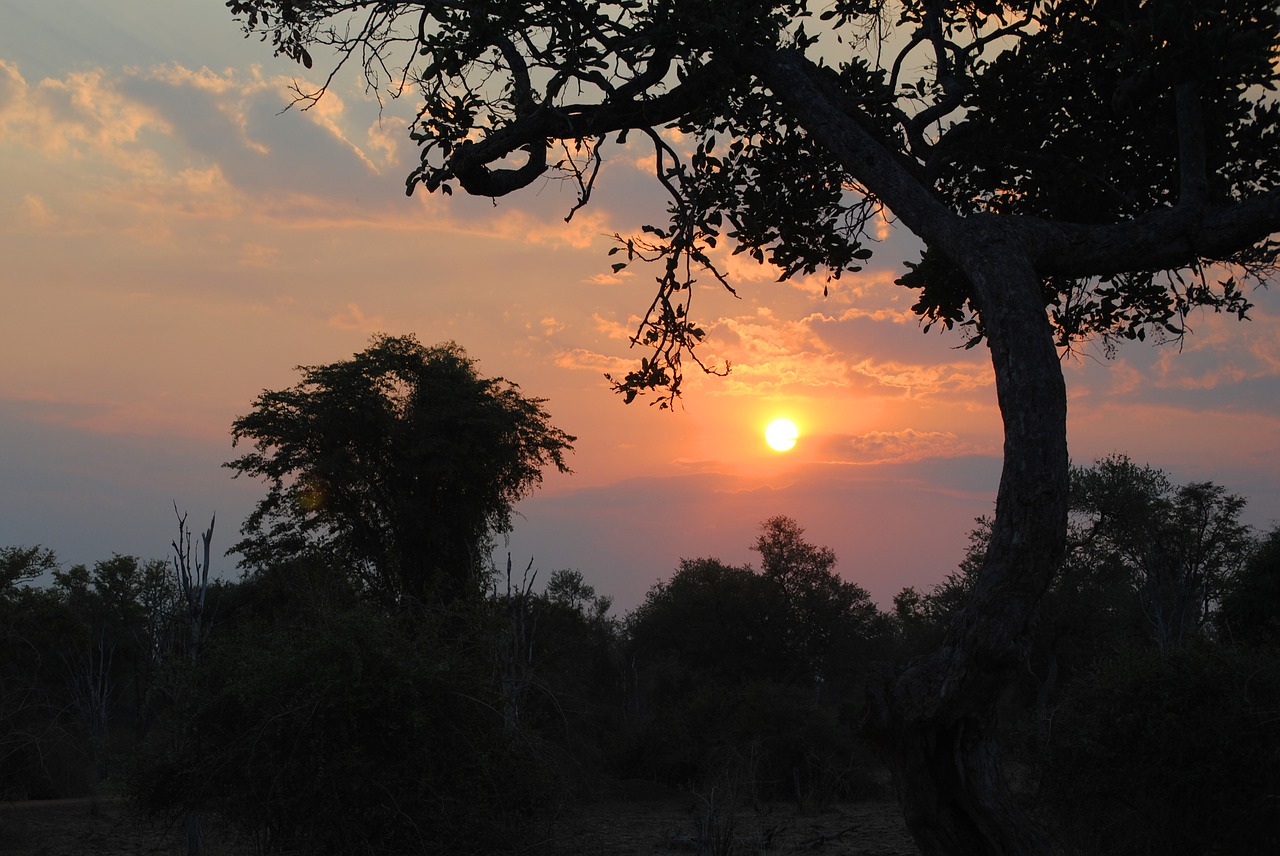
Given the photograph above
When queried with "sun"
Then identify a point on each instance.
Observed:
(781, 434)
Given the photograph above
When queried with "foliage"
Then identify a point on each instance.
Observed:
(1182, 544)
(1170, 751)
(21, 565)
(315, 723)
(796, 129)
(402, 462)
(42, 754)
(1121, 108)
(80, 661)
(575, 660)
(751, 671)
(1144, 555)
(1250, 610)
(1060, 115)
(828, 621)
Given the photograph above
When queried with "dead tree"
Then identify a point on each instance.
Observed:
(92, 689)
(193, 579)
(515, 655)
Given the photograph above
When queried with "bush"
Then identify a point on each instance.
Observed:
(341, 730)
(1173, 752)
(771, 739)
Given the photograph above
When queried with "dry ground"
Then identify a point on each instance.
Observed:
(651, 826)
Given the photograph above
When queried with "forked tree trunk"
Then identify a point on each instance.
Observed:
(937, 718)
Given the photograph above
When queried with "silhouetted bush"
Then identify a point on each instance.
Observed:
(1173, 752)
(1250, 612)
(45, 751)
(338, 729)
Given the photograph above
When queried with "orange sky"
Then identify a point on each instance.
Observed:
(171, 244)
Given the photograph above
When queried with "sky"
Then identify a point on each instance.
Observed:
(173, 241)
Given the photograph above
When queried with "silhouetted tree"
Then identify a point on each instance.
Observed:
(192, 577)
(82, 650)
(577, 665)
(1180, 544)
(1250, 609)
(30, 705)
(831, 624)
(1074, 167)
(739, 668)
(401, 461)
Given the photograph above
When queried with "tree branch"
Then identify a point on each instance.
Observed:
(836, 121)
(471, 163)
(1165, 239)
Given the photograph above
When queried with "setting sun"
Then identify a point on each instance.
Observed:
(781, 434)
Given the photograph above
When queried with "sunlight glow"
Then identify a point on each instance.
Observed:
(781, 434)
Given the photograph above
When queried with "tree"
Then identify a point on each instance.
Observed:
(401, 461)
(126, 609)
(739, 668)
(1179, 544)
(1074, 168)
(828, 622)
(192, 577)
(21, 565)
(556, 658)
(1250, 610)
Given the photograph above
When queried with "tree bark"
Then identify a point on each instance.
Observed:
(937, 719)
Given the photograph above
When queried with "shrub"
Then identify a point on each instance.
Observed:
(341, 730)
(1173, 752)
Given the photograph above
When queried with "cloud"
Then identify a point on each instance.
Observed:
(902, 446)
(258, 255)
(550, 326)
(613, 329)
(579, 359)
(771, 353)
(37, 212)
(921, 381)
(352, 317)
(170, 140)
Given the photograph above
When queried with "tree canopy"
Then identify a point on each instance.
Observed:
(401, 463)
(1116, 140)
(1180, 544)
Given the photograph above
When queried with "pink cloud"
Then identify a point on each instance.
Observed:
(352, 317)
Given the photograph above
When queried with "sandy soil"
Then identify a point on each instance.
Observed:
(668, 824)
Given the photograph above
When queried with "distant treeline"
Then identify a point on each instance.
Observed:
(317, 720)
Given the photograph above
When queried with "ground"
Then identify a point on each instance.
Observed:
(657, 824)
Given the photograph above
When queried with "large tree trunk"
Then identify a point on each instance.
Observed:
(937, 718)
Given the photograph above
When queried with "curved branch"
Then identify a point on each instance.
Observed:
(471, 162)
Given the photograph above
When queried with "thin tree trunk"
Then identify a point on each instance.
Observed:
(937, 718)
